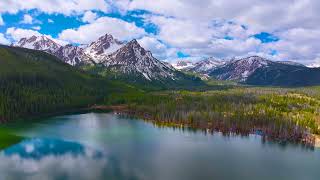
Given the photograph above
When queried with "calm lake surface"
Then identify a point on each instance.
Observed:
(108, 146)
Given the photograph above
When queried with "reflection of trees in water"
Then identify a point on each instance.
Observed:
(55, 159)
(280, 116)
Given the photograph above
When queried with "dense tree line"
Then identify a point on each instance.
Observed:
(33, 83)
(276, 113)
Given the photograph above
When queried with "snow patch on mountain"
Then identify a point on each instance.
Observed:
(42, 43)
(206, 65)
(291, 63)
(104, 46)
(240, 69)
(182, 64)
(133, 59)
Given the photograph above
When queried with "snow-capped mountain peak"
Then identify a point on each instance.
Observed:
(291, 63)
(206, 65)
(134, 59)
(240, 69)
(129, 61)
(182, 64)
(73, 55)
(42, 43)
(105, 45)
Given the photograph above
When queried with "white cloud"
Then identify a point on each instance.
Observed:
(120, 29)
(15, 34)
(27, 19)
(262, 15)
(187, 25)
(158, 49)
(89, 16)
(297, 44)
(1, 21)
(205, 38)
(36, 28)
(182, 33)
(50, 21)
(66, 7)
(4, 40)
(199, 28)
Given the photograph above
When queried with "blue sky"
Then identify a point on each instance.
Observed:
(174, 29)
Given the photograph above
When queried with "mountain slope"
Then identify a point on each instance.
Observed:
(73, 55)
(133, 64)
(256, 70)
(34, 82)
(130, 62)
(42, 43)
(206, 65)
(70, 54)
(105, 45)
(239, 70)
(285, 75)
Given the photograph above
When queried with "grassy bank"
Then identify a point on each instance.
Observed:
(7, 139)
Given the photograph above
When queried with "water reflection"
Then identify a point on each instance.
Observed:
(106, 146)
(46, 159)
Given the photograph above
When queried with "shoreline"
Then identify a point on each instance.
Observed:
(310, 140)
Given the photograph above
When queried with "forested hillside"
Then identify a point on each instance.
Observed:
(34, 82)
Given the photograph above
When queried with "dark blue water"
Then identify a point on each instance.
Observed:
(107, 146)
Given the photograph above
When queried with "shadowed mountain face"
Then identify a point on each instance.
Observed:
(285, 75)
(255, 70)
(133, 64)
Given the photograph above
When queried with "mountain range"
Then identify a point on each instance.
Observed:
(129, 62)
(114, 59)
(255, 70)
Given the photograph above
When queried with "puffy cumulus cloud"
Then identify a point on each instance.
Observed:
(3, 39)
(27, 19)
(188, 25)
(15, 34)
(1, 21)
(298, 44)
(225, 48)
(87, 33)
(213, 38)
(262, 15)
(182, 33)
(89, 16)
(158, 49)
(66, 7)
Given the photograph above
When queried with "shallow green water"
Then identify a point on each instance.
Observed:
(107, 146)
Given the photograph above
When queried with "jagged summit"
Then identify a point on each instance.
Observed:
(240, 69)
(115, 59)
(134, 59)
(206, 65)
(73, 55)
(42, 43)
(105, 45)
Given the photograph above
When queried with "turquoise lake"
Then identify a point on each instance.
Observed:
(109, 146)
